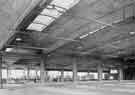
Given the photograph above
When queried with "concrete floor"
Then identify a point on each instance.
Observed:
(81, 88)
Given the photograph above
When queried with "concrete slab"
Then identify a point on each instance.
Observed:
(91, 88)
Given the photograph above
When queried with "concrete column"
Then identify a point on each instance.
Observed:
(109, 73)
(99, 70)
(8, 74)
(36, 74)
(28, 73)
(62, 75)
(24, 74)
(120, 73)
(88, 72)
(46, 75)
(74, 70)
(1, 83)
(43, 72)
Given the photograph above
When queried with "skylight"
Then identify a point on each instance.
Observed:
(46, 20)
(37, 27)
(67, 4)
(52, 7)
(9, 49)
(52, 11)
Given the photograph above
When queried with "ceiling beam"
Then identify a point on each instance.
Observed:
(74, 35)
(115, 10)
(109, 43)
(19, 20)
(25, 56)
(57, 38)
(28, 47)
(97, 21)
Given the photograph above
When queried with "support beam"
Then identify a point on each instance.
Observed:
(43, 72)
(99, 70)
(74, 70)
(62, 75)
(28, 73)
(88, 73)
(57, 38)
(8, 74)
(36, 74)
(109, 73)
(120, 76)
(27, 47)
(1, 83)
(24, 73)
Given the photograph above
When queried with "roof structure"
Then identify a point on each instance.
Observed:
(93, 31)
